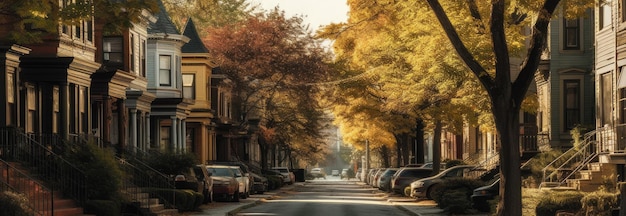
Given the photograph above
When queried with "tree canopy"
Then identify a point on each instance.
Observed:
(273, 61)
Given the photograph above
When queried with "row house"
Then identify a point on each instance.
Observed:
(197, 67)
(169, 110)
(565, 86)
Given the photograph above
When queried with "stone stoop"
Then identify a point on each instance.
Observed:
(593, 177)
(32, 189)
(151, 204)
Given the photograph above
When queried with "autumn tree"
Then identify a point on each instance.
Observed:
(208, 13)
(498, 20)
(29, 21)
(274, 62)
(413, 88)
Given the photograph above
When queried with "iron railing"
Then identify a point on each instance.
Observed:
(60, 174)
(572, 160)
(139, 176)
(40, 197)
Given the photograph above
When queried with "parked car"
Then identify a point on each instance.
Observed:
(376, 177)
(273, 174)
(244, 168)
(290, 178)
(384, 183)
(368, 175)
(404, 176)
(344, 174)
(482, 195)
(224, 183)
(335, 173)
(260, 184)
(198, 179)
(318, 173)
(426, 187)
(244, 182)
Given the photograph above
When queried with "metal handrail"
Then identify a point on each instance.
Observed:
(139, 178)
(14, 180)
(585, 150)
(52, 168)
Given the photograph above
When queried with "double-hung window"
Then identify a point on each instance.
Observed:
(165, 70)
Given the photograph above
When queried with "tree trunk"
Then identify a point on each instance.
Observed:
(263, 151)
(399, 144)
(406, 142)
(437, 147)
(418, 145)
(507, 123)
(384, 153)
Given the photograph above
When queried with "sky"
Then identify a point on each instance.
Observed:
(315, 12)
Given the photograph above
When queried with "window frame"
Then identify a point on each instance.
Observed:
(165, 72)
(567, 35)
(570, 120)
(191, 89)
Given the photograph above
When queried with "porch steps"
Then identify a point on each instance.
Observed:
(32, 189)
(592, 178)
(152, 205)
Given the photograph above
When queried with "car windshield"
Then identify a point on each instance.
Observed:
(237, 172)
(220, 171)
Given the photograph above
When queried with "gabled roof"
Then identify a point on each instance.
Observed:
(195, 44)
(164, 23)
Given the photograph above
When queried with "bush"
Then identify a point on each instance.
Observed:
(102, 207)
(552, 202)
(14, 204)
(454, 194)
(171, 163)
(186, 200)
(102, 171)
(599, 203)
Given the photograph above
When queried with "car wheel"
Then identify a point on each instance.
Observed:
(207, 197)
(235, 196)
(432, 190)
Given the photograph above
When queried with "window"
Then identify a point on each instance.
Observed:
(142, 56)
(571, 102)
(32, 106)
(89, 29)
(188, 86)
(571, 34)
(165, 137)
(622, 104)
(56, 114)
(606, 83)
(84, 118)
(112, 48)
(10, 115)
(132, 53)
(623, 10)
(605, 14)
(165, 70)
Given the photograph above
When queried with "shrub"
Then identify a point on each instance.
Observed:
(171, 163)
(599, 203)
(102, 172)
(14, 204)
(103, 207)
(186, 200)
(552, 202)
(454, 194)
